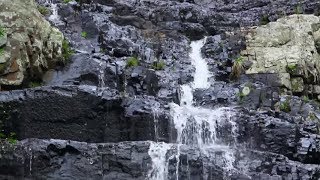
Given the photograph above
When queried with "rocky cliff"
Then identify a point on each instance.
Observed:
(130, 104)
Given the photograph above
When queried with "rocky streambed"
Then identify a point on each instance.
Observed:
(160, 90)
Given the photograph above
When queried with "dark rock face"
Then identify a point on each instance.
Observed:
(107, 113)
(82, 113)
(57, 159)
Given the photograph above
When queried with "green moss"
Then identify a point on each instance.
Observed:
(43, 10)
(158, 65)
(264, 20)
(84, 34)
(285, 106)
(67, 51)
(132, 62)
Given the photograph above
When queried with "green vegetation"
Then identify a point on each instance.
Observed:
(43, 10)
(66, 1)
(158, 65)
(67, 51)
(84, 34)
(244, 92)
(4, 116)
(34, 84)
(264, 20)
(241, 96)
(298, 9)
(2, 31)
(1, 51)
(237, 68)
(103, 50)
(312, 116)
(132, 62)
(305, 99)
(285, 106)
(291, 68)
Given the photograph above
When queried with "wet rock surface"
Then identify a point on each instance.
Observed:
(108, 113)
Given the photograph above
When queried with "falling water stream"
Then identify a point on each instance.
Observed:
(196, 126)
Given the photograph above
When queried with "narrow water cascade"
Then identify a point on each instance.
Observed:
(197, 126)
(54, 17)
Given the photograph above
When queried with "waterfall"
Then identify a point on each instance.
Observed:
(196, 126)
(54, 17)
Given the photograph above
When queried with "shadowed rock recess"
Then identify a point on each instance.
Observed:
(160, 89)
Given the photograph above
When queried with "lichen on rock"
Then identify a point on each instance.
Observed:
(287, 47)
(30, 44)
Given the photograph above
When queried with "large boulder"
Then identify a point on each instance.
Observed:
(29, 45)
(288, 48)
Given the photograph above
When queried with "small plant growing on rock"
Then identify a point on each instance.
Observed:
(158, 65)
(34, 84)
(264, 20)
(237, 68)
(305, 99)
(285, 106)
(1, 51)
(84, 34)
(43, 10)
(67, 51)
(2, 31)
(132, 62)
(66, 1)
(4, 116)
(291, 67)
(298, 9)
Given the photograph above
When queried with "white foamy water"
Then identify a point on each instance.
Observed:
(202, 73)
(197, 126)
(158, 152)
(54, 16)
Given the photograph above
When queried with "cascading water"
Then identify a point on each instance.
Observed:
(54, 17)
(196, 126)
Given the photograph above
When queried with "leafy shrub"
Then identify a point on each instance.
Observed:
(67, 51)
(2, 31)
(158, 65)
(285, 106)
(291, 67)
(84, 34)
(237, 68)
(132, 62)
(43, 10)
